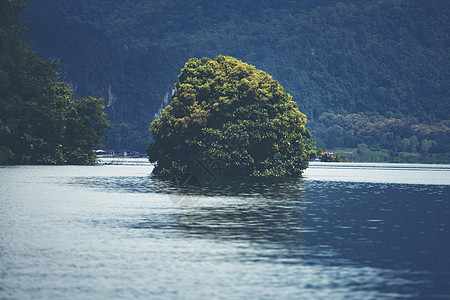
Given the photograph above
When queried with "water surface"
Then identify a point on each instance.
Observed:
(344, 231)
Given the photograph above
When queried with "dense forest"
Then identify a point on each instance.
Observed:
(371, 76)
(40, 120)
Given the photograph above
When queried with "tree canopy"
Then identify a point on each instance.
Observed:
(229, 118)
(40, 122)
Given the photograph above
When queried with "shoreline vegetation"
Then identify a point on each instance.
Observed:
(372, 137)
(339, 156)
(364, 154)
(401, 157)
(41, 122)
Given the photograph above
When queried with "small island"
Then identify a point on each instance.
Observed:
(229, 118)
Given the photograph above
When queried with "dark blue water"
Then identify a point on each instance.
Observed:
(341, 232)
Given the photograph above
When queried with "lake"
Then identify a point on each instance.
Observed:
(343, 231)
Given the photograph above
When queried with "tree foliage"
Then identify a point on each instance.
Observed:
(40, 122)
(227, 117)
(394, 135)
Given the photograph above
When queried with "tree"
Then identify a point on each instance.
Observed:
(40, 123)
(86, 123)
(228, 118)
(404, 144)
(362, 151)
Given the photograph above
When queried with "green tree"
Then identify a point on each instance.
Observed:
(362, 151)
(426, 145)
(40, 123)
(405, 144)
(85, 126)
(227, 117)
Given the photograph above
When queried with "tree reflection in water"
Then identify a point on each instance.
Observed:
(242, 209)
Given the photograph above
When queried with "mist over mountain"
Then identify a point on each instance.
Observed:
(364, 72)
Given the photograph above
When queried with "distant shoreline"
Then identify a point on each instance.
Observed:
(117, 160)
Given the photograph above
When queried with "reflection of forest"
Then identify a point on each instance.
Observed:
(248, 210)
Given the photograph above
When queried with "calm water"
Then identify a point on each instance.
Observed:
(344, 231)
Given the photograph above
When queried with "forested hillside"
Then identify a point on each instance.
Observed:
(381, 64)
